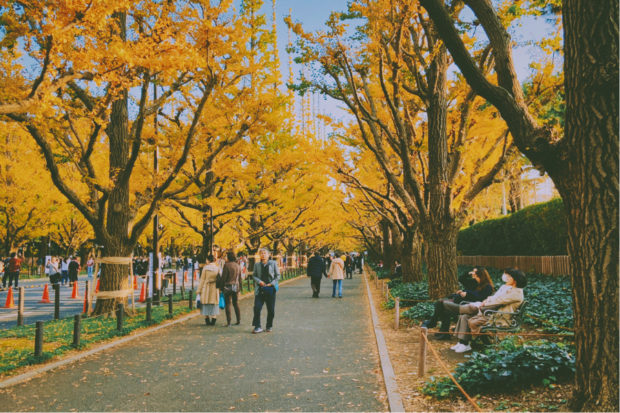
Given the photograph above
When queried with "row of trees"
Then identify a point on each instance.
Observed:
(426, 142)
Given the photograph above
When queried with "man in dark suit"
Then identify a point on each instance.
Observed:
(315, 270)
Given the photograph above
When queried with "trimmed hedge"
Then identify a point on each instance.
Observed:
(539, 229)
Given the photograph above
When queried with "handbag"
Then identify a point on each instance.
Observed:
(198, 303)
(222, 301)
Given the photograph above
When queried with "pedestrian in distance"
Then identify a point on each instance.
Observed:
(231, 278)
(266, 275)
(349, 265)
(90, 266)
(336, 273)
(208, 293)
(14, 267)
(74, 269)
(64, 270)
(51, 268)
(316, 270)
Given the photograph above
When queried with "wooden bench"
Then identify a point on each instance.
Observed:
(503, 322)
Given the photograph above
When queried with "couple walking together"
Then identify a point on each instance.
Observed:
(317, 269)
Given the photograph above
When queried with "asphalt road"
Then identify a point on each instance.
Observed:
(320, 357)
(35, 311)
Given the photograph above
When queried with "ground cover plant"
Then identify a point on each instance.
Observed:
(509, 367)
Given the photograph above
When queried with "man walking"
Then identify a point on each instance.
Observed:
(266, 275)
(14, 267)
(316, 270)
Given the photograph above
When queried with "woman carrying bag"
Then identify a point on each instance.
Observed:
(207, 292)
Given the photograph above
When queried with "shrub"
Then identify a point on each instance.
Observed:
(420, 311)
(539, 229)
(509, 368)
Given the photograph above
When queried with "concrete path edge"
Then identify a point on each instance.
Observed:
(391, 387)
(70, 359)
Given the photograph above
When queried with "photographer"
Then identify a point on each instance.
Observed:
(477, 286)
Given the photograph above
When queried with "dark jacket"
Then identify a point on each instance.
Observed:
(231, 273)
(316, 267)
(475, 295)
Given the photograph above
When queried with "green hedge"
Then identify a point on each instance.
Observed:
(539, 229)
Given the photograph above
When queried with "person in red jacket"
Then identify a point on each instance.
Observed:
(14, 267)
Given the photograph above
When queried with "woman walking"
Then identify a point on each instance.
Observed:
(336, 272)
(209, 294)
(231, 276)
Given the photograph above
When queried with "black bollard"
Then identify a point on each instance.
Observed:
(191, 300)
(170, 304)
(20, 307)
(182, 292)
(38, 339)
(77, 327)
(120, 314)
(174, 283)
(149, 309)
(56, 301)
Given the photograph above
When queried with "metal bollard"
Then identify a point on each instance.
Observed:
(38, 339)
(397, 313)
(56, 301)
(170, 304)
(77, 328)
(422, 355)
(191, 300)
(120, 314)
(149, 309)
(20, 307)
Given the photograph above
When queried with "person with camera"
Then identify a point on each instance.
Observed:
(477, 285)
(231, 278)
(266, 275)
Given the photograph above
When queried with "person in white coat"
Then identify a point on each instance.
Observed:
(336, 273)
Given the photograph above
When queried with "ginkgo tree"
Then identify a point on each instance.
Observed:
(111, 84)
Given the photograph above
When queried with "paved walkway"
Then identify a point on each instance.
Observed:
(320, 357)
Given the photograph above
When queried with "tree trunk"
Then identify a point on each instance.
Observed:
(412, 256)
(590, 194)
(114, 277)
(441, 260)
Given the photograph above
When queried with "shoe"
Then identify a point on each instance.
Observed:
(339, 296)
(237, 323)
(257, 330)
(213, 321)
(269, 330)
(227, 325)
(207, 321)
(454, 347)
(463, 348)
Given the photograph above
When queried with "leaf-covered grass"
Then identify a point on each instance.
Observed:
(507, 368)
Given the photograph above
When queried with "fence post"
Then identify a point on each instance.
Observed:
(38, 339)
(56, 301)
(422, 355)
(120, 313)
(191, 300)
(174, 283)
(20, 307)
(397, 314)
(87, 298)
(170, 304)
(77, 327)
(149, 309)
(182, 292)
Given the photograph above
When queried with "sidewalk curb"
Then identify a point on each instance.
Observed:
(20, 378)
(394, 399)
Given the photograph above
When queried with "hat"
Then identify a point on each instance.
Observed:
(518, 276)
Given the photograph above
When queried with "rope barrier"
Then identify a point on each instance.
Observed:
(506, 333)
(442, 364)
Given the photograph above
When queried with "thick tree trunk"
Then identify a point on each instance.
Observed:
(412, 256)
(590, 194)
(115, 277)
(387, 249)
(441, 260)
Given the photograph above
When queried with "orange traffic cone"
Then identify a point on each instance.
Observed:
(97, 287)
(46, 296)
(195, 275)
(9, 299)
(143, 293)
(184, 277)
(74, 293)
(86, 303)
(135, 282)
